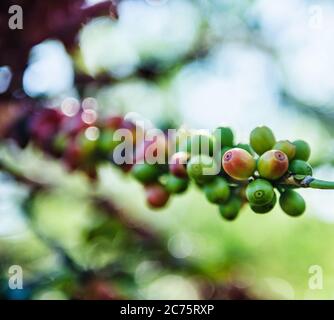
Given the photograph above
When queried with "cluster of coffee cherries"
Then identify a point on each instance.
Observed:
(81, 142)
(249, 173)
(230, 175)
(275, 160)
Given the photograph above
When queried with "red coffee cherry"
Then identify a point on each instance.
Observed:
(44, 126)
(114, 122)
(273, 164)
(156, 195)
(73, 156)
(178, 164)
(238, 164)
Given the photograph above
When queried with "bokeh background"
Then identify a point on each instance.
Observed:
(197, 64)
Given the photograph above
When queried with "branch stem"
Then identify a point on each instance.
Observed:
(306, 182)
(322, 184)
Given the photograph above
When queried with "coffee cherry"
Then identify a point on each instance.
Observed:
(114, 122)
(292, 203)
(238, 164)
(126, 167)
(176, 185)
(200, 144)
(74, 125)
(87, 146)
(265, 208)
(60, 143)
(260, 192)
(287, 147)
(178, 164)
(72, 157)
(91, 172)
(262, 139)
(231, 209)
(246, 147)
(273, 164)
(202, 168)
(217, 191)
(300, 167)
(94, 288)
(145, 173)
(156, 195)
(303, 150)
(106, 142)
(44, 125)
(225, 135)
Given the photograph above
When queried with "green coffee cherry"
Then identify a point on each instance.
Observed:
(260, 192)
(265, 208)
(202, 168)
(226, 136)
(176, 185)
(146, 173)
(292, 203)
(262, 139)
(217, 191)
(287, 147)
(273, 164)
(60, 142)
(86, 146)
(200, 144)
(231, 209)
(106, 142)
(303, 150)
(238, 164)
(300, 167)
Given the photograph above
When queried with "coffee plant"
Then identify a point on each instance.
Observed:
(260, 173)
(230, 174)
